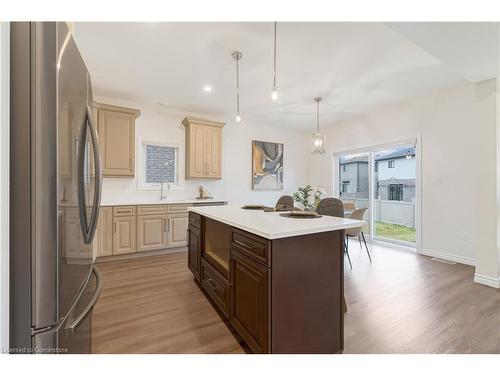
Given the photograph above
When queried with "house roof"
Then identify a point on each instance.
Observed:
(356, 159)
(400, 153)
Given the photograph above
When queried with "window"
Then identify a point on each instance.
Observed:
(376, 166)
(345, 186)
(160, 164)
(344, 168)
(391, 163)
(395, 192)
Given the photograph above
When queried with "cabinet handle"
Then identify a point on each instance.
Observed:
(212, 284)
(243, 244)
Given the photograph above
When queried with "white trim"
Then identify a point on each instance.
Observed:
(141, 183)
(373, 147)
(141, 254)
(448, 256)
(494, 282)
(392, 245)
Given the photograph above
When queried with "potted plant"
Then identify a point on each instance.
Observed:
(308, 197)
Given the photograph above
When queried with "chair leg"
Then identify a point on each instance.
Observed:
(360, 243)
(367, 251)
(347, 251)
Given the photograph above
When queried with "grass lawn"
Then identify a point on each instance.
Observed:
(395, 231)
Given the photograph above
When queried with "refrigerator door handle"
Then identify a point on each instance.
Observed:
(97, 171)
(71, 327)
(89, 228)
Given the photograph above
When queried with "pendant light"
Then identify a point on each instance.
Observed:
(318, 139)
(275, 91)
(237, 55)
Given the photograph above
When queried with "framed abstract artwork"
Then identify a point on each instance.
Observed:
(267, 165)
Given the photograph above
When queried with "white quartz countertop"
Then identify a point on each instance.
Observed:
(271, 225)
(132, 202)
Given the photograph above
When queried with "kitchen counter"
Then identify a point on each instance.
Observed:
(271, 225)
(133, 202)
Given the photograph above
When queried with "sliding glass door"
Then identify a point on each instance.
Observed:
(354, 184)
(385, 181)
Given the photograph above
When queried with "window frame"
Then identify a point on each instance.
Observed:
(142, 184)
(391, 163)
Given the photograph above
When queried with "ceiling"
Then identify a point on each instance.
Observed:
(355, 67)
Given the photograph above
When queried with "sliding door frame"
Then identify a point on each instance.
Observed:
(370, 148)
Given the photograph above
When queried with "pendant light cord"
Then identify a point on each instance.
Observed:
(274, 80)
(317, 116)
(238, 84)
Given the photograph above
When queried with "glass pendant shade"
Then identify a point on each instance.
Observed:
(275, 94)
(238, 118)
(318, 142)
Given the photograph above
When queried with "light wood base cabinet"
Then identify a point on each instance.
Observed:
(130, 229)
(103, 240)
(177, 230)
(124, 235)
(151, 232)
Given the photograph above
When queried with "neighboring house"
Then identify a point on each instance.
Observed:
(354, 177)
(396, 175)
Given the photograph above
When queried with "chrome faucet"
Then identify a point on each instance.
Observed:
(162, 196)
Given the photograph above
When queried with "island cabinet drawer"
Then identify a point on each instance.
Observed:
(152, 209)
(253, 246)
(124, 211)
(195, 219)
(215, 285)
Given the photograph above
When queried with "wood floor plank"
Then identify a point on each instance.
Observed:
(400, 303)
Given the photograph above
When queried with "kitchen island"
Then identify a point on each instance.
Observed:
(278, 281)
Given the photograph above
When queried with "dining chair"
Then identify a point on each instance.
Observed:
(349, 206)
(284, 203)
(333, 207)
(358, 214)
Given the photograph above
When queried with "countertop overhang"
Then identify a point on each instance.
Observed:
(271, 225)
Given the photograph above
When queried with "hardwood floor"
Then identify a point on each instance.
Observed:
(400, 303)
(152, 305)
(408, 303)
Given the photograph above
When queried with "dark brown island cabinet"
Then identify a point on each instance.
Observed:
(281, 295)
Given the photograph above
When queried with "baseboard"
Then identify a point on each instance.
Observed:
(447, 256)
(140, 254)
(494, 282)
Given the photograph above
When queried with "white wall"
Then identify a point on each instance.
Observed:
(158, 124)
(4, 184)
(458, 153)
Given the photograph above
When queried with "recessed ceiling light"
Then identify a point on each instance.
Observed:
(207, 88)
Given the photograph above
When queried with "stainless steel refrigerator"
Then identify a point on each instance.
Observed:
(55, 190)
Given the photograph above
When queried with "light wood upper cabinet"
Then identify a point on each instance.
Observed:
(203, 149)
(116, 129)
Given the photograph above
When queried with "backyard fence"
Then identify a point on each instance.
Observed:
(392, 212)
